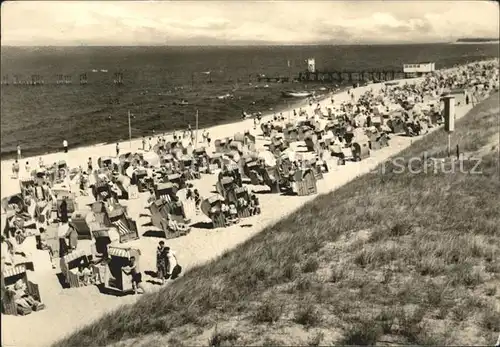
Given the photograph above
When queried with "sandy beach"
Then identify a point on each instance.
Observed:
(70, 309)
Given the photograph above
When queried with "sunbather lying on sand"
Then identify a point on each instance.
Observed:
(174, 226)
(22, 298)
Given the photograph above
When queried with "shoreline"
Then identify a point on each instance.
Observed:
(10, 156)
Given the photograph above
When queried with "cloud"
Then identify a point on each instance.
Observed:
(214, 22)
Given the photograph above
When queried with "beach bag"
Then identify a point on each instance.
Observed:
(176, 271)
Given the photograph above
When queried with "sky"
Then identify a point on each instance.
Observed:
(130, 23)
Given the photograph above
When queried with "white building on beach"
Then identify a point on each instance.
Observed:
(418, 69)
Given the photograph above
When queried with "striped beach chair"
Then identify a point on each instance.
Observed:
(10, 276)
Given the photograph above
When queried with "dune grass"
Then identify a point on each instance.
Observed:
(387, 258)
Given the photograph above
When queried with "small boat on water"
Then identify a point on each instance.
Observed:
(94, 70)
(296, 94)
(102, 70)
(225, 96)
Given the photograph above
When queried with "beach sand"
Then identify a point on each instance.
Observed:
(70, 309)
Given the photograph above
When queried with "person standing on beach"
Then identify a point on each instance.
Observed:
(172, 264)
(117, 149)
(18, 151)
(89, 165)
(143, 143)
(27, 167)
(161, 262)
(40, 163)
(65, 146)
(150, 144)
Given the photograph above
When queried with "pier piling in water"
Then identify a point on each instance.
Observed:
(83, 78)
(118, 78)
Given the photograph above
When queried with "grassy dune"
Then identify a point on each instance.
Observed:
(388, 258)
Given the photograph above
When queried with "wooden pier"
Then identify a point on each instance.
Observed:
(350, 76)
(59, 79)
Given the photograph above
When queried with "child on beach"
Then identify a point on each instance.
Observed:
(173, 267)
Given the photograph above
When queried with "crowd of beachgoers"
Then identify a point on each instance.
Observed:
(85, 220)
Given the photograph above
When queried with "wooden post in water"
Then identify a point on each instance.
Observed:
(196, 136)
(449, 144)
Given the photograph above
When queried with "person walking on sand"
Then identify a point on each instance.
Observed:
(197, 200)
(18, 148)
(15, 169)
(117, 149)
(161, 262)
(65, 146)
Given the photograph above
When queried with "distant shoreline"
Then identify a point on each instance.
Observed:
(477, 43)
